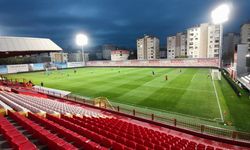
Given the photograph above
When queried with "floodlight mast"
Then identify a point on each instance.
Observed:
(81, 40)
(219, 16)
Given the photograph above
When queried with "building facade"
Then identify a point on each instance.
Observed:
(177, 45)
(230, 40)
(77, 57)
(214, 41)
(204, 41)
(245, 35)
(163, 53)
(240, 59)
(106, 51)
(148, 48)
(119, 55)
(171, 47)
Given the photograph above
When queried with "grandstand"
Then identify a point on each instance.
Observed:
(58, 123)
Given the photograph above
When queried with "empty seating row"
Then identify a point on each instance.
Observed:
(12, 104)
(22, 103)
(94, 136)
(49, 105)
(70, 136)
(5, 106)
(139, 135)
(4, 88)
(16, 139)
(44, 136)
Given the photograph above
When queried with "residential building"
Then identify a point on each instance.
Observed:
(98, 55)
(119, 55)
(77, 57)
(214, 41)
(230, 40)
(163, 52)
(181, 44)
(177, 45)
(204, 41)
(106, 51)
(171, 47)
(245, 35)
(148, 48)
(240, 59)
(74, 57)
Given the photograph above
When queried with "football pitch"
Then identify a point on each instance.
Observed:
(188, 91)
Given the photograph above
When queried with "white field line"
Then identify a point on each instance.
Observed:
(193, 77)
(216, 94)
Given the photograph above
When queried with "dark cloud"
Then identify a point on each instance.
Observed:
(110, 21)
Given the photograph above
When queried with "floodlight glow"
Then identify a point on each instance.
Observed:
(220, 14)
(81, 39)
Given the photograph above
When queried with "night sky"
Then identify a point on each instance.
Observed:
(118, 22)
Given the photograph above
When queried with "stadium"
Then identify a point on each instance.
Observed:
(52, 100)
(132, 104)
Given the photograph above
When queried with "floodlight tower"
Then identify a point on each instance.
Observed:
(82, 40)
(219, 16)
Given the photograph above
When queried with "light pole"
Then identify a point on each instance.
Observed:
(82, 40)
(220, 15)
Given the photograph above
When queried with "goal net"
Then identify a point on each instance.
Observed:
(216, 74)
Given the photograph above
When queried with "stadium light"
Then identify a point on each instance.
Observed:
(220, 14)
(81, 40)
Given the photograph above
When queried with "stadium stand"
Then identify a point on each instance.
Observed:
(213, 62)
(246, 78)
(80, 127)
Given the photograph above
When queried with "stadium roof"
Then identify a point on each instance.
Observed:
(11, 46)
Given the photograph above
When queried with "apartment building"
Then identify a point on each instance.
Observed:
(214, 41)
(177, 45)
(148, 48)
(245, 34)
(230, 40)
(204, 41)
(106, 51)
(171, 47)
(181, 44)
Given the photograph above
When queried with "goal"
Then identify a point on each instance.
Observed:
(216, 74)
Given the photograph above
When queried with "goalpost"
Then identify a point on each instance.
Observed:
(215, 74)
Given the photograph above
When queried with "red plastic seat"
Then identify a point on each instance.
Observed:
(130, 143)
(210, 148)
(106, 142)
(117, 146)
(140, 147)
(149, 144)
(158, 147)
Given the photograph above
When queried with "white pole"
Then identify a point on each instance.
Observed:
(82, 54)
(220, 48)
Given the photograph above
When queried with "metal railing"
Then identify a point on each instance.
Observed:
(171, 121)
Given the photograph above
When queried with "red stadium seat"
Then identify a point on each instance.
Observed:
(117, 146)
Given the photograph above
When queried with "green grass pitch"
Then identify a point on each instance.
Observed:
(189, 91)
